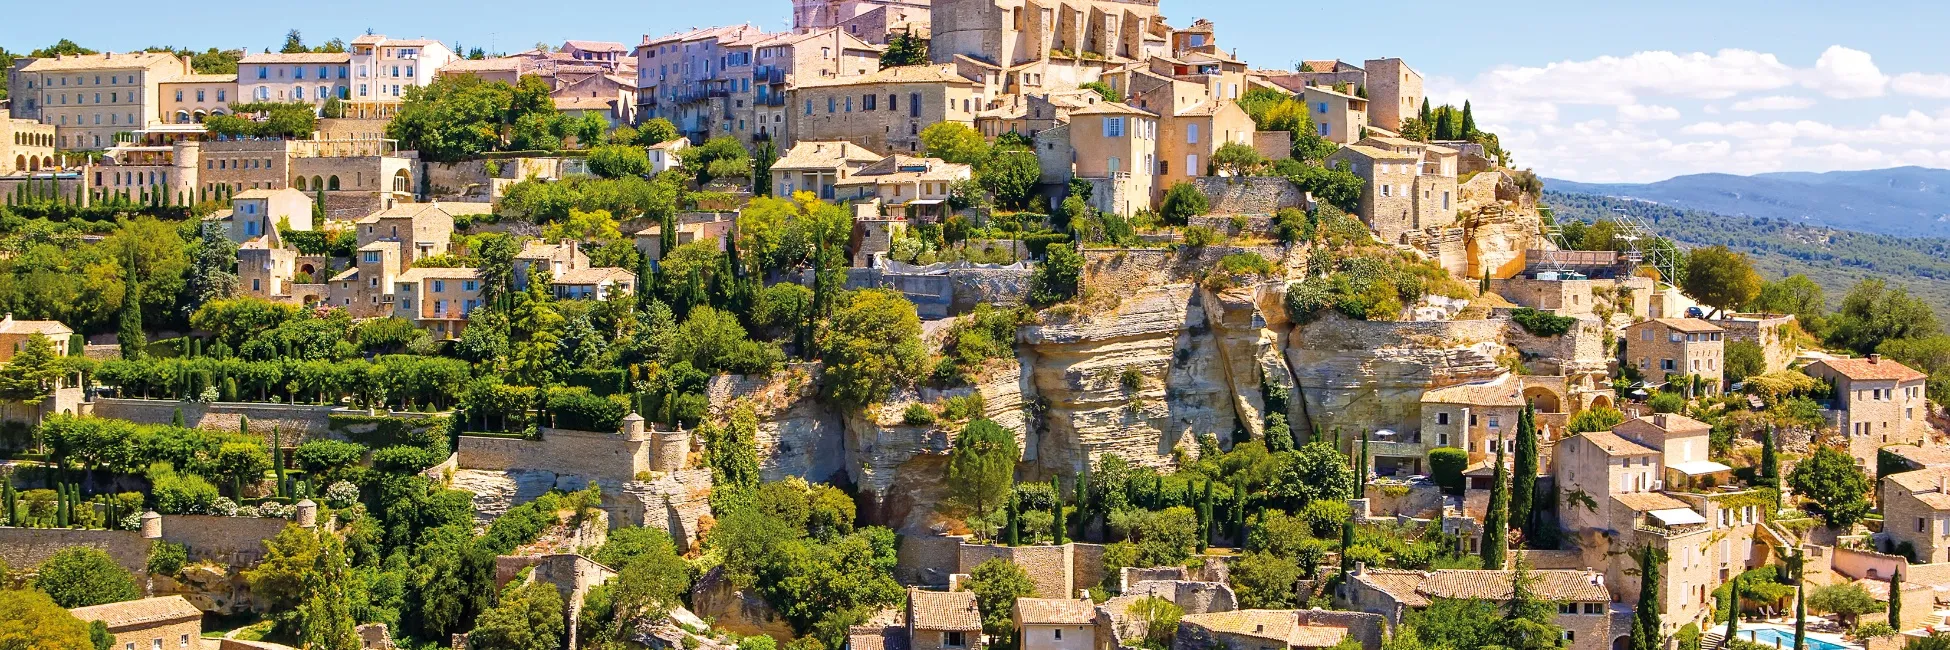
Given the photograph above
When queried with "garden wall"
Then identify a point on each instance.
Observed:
(1058, 571)
(562, 451)
(235, 541)
(298, 422)
(26, 547)
(1252, 195)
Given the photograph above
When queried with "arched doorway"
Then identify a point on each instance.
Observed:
(34, 165)
(298, 183)
(402, 182)
(332, 184)
(317, 183)
(307, 269)
(1602, 402)
(1623, 642)
(20, 162)
(1543, 399)
(182, 117)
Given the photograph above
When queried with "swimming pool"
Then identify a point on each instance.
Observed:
(1785, 639)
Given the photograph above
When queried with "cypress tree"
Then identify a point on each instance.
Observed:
(1211, 524)
(1646, 620)
(1895, 601)
(1084, 507)
(1496, 525)
(1523, 477)
(1468, 122)
(1010, 528)
(1361, 473)
(1204, 511)
(1800, 614)
(176, 419)
(1058, 523)
(1239, 510)
(60, 505)
(1484, 286)
(1733, 609)
(244, 424)
(1770, 465)
(277, 460)
(7, 498)
(129, 332)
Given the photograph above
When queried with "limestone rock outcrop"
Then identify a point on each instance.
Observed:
(798, 435)
(714, 598)
(1361, 374)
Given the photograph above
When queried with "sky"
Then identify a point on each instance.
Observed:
(1586, 91)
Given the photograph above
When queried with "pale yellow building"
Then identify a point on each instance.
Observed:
(1116, 150)
(26, 146)
(884, 111)
(308, 77)
(1338, 117)
(909, 187)
(1188, 139)
(193, 97)
(90, 98)
(816, 166)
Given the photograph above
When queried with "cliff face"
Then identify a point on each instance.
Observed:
(1359, 374)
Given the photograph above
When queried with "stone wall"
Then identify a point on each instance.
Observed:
(1273, 145)
(1058, 571)
(298, 422)
(676, 503)
(927, 559)
(563, 451)
(1049, 567)
(1125, 271)
(23, 548)
(1252, 195)
(235, 541)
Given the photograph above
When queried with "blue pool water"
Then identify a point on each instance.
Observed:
(1784, 639)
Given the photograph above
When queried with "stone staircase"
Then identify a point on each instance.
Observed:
(1712, 641)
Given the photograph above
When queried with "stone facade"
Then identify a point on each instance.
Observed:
(153, 623)
(1395, 91)
(1878, 402)
(25, 146)
(1772, 332)
(584, 453)
(298, 422)
(884, 111)
(1666, 349)
(1916, 509)
(1254, 196)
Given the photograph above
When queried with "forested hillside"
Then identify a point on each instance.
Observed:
(1836, 259)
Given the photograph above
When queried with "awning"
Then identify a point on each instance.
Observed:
(1699, 467)
(1677, 517)
(926, 202)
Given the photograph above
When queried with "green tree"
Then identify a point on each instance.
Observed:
(655, 132)
(904, 50)
(1183, 201)
(1523, 477)
(1058, 278)
(1103, 90)
(1160, 618)
(1266, 580)
(1646, 622)
(1236, 159)
(328, 620)
(243, 463)
(1744, 359)
(956, 143)
(981, 472)
(79, 576)
(1317, 471)
(1596, 419)
(31, 620)
(1720, 278)
(617, 161)
(1873, 312)
(1834, 487)
(294, 43)
(1797, 295)
(1895, 601)
(129, 332)
(1496, 524)
(29, 377)
(720, 157)
(529, 617)
(997, 583)
(871, 343)
(1009, 174)
(1846, 600)
(455, 117)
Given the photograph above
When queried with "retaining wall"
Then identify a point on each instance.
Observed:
(306, 421)
(236, 541)
(562, 451)
(1253, 195)
(27, 547)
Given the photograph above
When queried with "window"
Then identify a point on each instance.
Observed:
(1442, 418)
(867, 103)
(1496, 422)
(1058, 633)
(1594, 608)
(1667, 365)
(371, 257)
(808, 107)
(1191, 134)
(914, 104)
(1113, 127)
(952, 639)
(470, 285)
(439, 286)
(1323, 129)
(1323, 108)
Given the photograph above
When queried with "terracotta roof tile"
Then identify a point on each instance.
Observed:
(1688, 324)
(137, 613)
(1501, 391)
(1614, 445)
(303, 57)
(1055, 611)
(1872, 370)
(1551, 584)
(942, 610)
(1400, 585)
(1649, 501)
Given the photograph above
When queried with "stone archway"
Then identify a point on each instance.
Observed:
(1623, 642)
(20, 162)
(402, 181)
(33, 164)
(1602, 402)
(1543, 399)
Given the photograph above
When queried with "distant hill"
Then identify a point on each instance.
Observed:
(1905, 201)
(1835, 259)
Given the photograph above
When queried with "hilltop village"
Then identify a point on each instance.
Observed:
(950, 325)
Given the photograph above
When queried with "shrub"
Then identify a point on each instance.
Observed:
(1667, 402)
(1542, 323)
(1183, 201)
(166, 558)
(962, 407)
(1446, 465)
(917, 415)
(403, 459)
(1201, 236)
(582, 410)
(341, 495)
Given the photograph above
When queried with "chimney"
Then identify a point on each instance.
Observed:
(1360, 567)
(1875, 358)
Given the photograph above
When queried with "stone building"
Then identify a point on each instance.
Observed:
(733, 81)
(1877, 403)
(1670, 349)
(874, 21)
(1032, 45)
(558, 259)
(1276, 629)
(815, 166)
(1338, 116)
(308, 77)
(165, 623)
(89, 98)
(932, 620)
(884, 111)
(1916, 514)
(14, 335)
(1188, 139)
(1056, 624)
(437, 299)
(383, 68)
(258, 212)
(1115, 150)
(599, 283)
(1774, 333)
(190, 98)
(1387, 194)
(906, 187)
(26, 146)
(1584, 604)
(1394, 91)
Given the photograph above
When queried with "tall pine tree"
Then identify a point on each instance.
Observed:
(1523, 477)
(1770, 465)
(1496, 525)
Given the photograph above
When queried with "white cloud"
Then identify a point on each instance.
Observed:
(1773, 103)
(1921, 84)
(1845, 73)
(1646, 113)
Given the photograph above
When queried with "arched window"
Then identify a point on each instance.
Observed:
(332, 184)
(402, 182)
(298, 183)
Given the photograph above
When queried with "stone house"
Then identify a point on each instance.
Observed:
(943, 620)
(165, 623)
(1116, 151)
(383, 68)
(14, 333)
(599, 283)
(816, 166)
(1395, 91)
(422, 229)
(1388, 179)
(1056, 624)
(1187, 139)
(437, 299)
(1476, 416)
(666, 156)
(884, 111)
(557, 258)
(1916, 514)
(1670, 349)
(875, 21)
(909, 187)
(1338, 116)
(1877, 403)
(309, 77)
(192, 97)
(1603, 473)
(257, 212)
(1584, 609)
(1772, 332)
(763, 67)
(1685, 448)
(691, 226)
(89, 98)
(268, 269)
(1276, 629)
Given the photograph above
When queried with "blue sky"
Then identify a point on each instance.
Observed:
(1606, 91)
